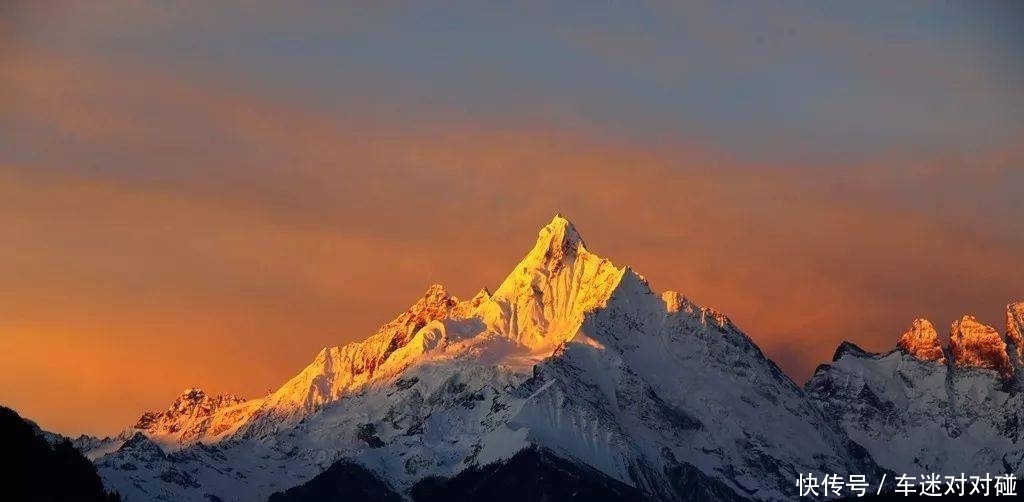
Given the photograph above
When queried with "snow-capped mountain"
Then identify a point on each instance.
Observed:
(929, 408)
(571, 361)
(191, 418)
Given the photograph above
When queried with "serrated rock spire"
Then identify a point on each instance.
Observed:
(557, 243)
(922, 342)
(975, 345)
(1015, 328)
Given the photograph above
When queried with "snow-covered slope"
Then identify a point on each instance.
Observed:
(570, 353)
(916, 410)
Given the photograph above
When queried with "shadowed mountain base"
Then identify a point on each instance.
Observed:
(35, 471)
(531, 474)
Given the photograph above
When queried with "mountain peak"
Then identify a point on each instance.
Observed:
(191, 394)
(543, 299)
(848, 348)
(1015, 328)
(557, 242)
(435, 304)
(194, 395)
(191, 417)
(435, 294)
(466, 308)
(975, 345)
(1016, 307)
(562, 222)
(922, 342)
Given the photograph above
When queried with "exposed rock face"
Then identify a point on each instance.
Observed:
(922, 342)
(975, 345)
(675, 302)
(194, 416)
(1015, 329)
(190, 403)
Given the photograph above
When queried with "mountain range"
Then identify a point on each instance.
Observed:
(573, 379)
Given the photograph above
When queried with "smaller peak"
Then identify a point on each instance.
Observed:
(1015, 319)
(922, 342)
(481, 296)
(188, 399)
(968, 321)
(1015, 328)
(436, 291)
(560, 220)
(849, 348)
(434, 298)
(140, 441)
(923, 323)
(1015, 315)
(192, 394)
(629, 282)
(466, 308)
(976, 345)
(325, 354)
(628, 269)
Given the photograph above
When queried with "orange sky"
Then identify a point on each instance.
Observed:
(162, 230)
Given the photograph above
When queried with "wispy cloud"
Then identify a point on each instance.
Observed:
(220, 232)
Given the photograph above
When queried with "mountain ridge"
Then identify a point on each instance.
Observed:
(571, 354)
(916, 411)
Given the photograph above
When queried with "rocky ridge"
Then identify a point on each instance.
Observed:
(914, 411)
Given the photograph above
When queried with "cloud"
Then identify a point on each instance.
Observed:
(219, 237)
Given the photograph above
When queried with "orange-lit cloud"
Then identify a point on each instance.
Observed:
(167, 233)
